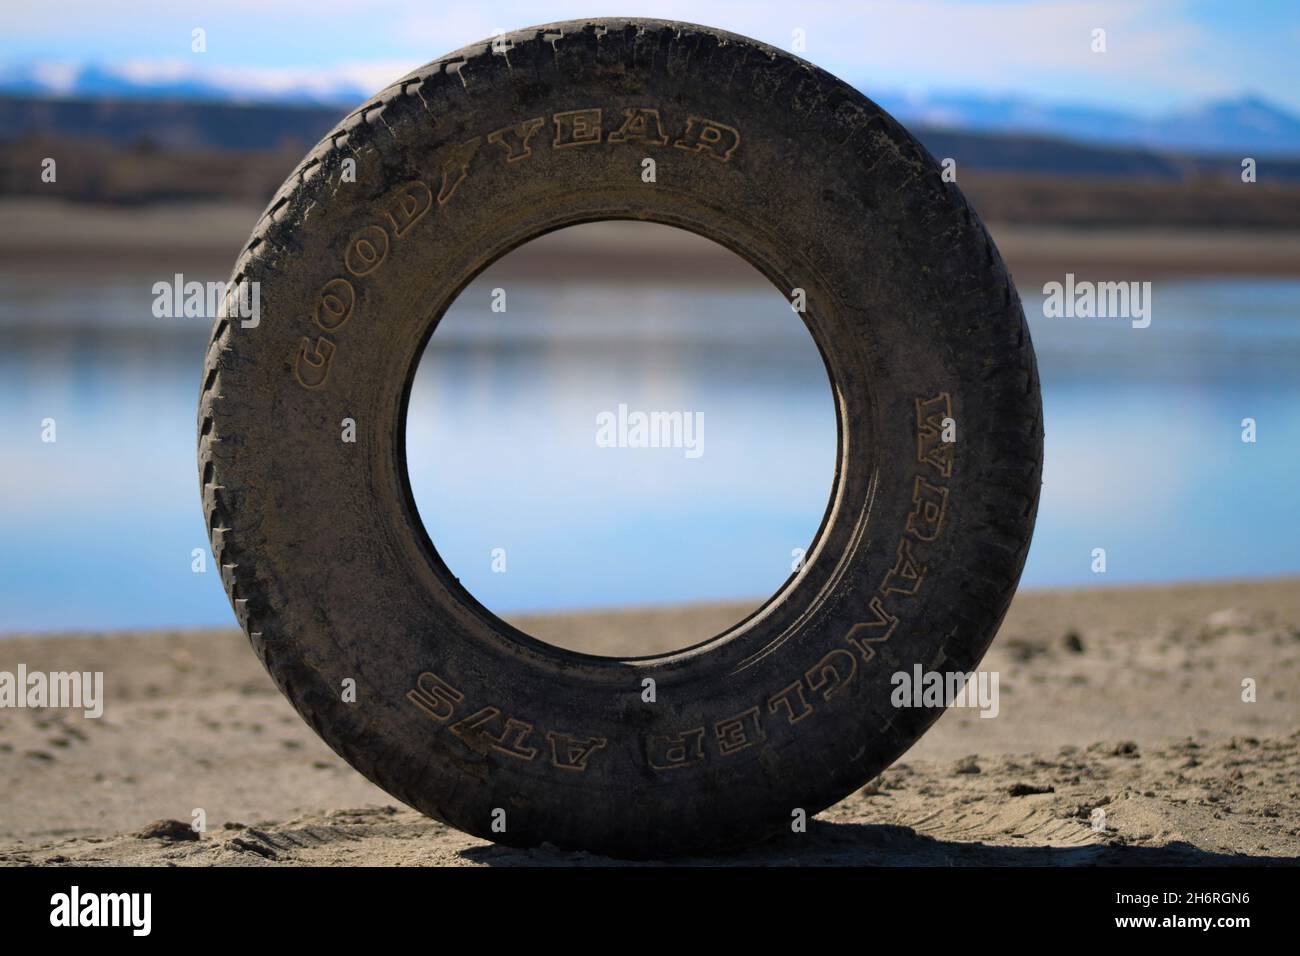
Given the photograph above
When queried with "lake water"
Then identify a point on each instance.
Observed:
(1144, 450)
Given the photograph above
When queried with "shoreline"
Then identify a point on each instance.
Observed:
(47, 237)
(635, 622)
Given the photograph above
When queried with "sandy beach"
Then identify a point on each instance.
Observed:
(1126, 700)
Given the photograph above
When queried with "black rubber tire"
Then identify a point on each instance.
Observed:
(326, 561)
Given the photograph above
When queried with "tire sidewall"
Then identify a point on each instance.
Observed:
(459, 714)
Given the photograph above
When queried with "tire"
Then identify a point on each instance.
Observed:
(324, 556)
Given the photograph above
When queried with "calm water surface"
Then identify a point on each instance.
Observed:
(1144, 450)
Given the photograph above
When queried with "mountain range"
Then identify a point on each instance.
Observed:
(1246, 125)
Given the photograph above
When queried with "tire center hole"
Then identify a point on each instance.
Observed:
(621, 416)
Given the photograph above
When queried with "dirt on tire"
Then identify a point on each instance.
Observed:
(323, 553)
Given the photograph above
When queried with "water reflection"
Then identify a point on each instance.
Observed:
(1144, 456)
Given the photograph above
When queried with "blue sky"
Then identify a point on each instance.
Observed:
(1162, 54)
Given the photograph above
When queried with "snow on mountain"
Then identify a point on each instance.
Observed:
(1245, 125)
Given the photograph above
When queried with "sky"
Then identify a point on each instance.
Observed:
(1161, 55)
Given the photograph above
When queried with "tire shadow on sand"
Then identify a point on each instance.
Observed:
(866, 844)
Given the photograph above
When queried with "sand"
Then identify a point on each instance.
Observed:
(1124, 700)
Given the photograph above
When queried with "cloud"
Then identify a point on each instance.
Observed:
(927, 44)
(1160, 54)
